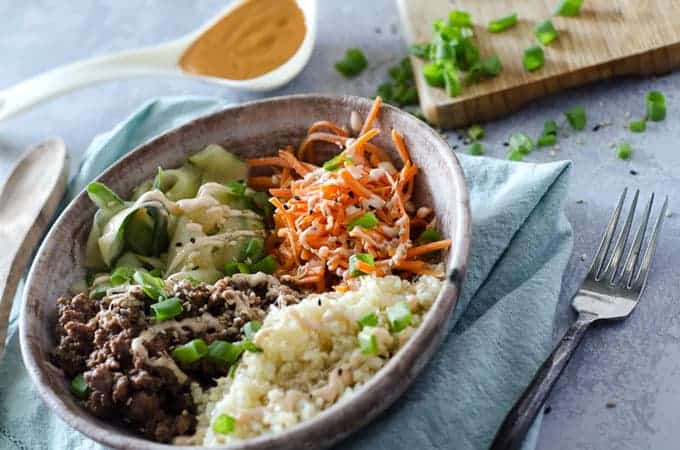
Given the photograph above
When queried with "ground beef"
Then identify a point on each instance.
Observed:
(95, 338)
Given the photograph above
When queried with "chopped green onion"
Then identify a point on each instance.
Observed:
(569, 8)
(100, 290)
(122, 275)
(158, 273)
(502, 24)
(261, 204)
(224, 424)
(232, 371)
(250, 328)
(353, 63)
(266, 265)
(429, 235)
(190, 352)
(154, 287)
(638, 126)
(224, 353)
(576, 117)
(231, 268)
(545, 32)
(254, 249)
(367, 221)
(243, 267)
(624, 151)
(368, 344)
(475, 132)
(515, 155)
(236, 187)
(459, 18)
(533, 58)
(451, 81)
(434, 75)
(369, 320)
(476, 149)
(550, 127)
(363, 257)
(79, 387)
(545, 140)
(485, 68)
(167, 309)
(656, 106)
(522, 143)
(335, 163)
(399, 316)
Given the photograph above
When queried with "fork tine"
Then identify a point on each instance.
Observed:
(643, 271)
(634, 254)
(602, 250)
(612, 267)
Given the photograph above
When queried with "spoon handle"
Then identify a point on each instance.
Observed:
(156, 60)
(28, 201)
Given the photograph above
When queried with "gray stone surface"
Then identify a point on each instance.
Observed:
(631, 365)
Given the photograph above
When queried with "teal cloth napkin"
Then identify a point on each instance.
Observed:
(500, 333)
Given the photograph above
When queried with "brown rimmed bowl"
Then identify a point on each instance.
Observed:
(253, 129)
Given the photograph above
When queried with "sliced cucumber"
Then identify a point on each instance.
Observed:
(219, 165)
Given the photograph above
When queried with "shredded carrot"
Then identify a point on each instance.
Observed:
(372, 114)
(327, 125)
(314, 208)
(427, 248)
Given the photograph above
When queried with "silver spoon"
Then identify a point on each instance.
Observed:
(28, 201)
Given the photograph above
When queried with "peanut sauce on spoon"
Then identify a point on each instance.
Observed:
(254, 38)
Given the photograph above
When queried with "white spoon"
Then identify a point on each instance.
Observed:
(155, 60)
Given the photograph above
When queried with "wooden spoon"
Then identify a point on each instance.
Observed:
(28, 201)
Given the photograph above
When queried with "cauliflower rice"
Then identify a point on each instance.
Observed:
(310, 359)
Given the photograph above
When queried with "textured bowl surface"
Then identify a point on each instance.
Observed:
(253, 129)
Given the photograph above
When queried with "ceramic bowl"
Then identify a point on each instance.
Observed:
(253, 129)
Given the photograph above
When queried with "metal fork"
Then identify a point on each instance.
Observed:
(610, 291)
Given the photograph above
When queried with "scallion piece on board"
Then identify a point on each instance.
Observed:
(533, 58)
(459, 18)
(569, 8)
(545, 32)
(504, 23)
(434, 74)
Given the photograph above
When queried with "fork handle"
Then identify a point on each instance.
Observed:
(511, 434)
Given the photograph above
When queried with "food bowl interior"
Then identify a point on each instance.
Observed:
(250, 130)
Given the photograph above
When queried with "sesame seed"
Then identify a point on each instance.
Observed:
(506, 144)
(178, 244)
(597, 127)
(192, 240)
(296, 197)
(633, 172)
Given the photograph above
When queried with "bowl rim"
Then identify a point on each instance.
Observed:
(377, 390)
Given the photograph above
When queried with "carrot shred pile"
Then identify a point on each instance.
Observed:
(316, 209)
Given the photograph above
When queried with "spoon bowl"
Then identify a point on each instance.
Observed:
(157, 60)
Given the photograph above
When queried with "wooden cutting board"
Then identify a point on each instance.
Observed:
(609, 38)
